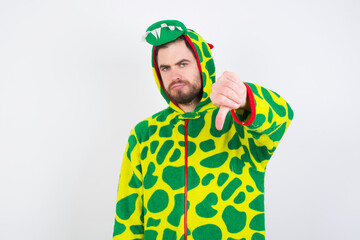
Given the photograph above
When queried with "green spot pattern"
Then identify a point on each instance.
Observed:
(195, 126)
(257, 236)
(230, 189)
(234, 143)
(174, 176)
(249, 188)
(178, 210)
(207, 232)
(204, 209)
(258, 222)
(280, 110)
(158, 201)
(137, 229)
(198, 52)
(153, 222)
(207, 179)
(258, 203)
(208, 145)
(150, 234)
(240, 198)
(150, 179)
(166, 131)
(135, 182)
(193, 178)
(237, 165)
(153, 146)
(205, 50)
(215, 161)
(119, 228)
(132, 142)
(125, 207)
(144, 153)
(164, 150)
(234, 220)
(222, 178)
(169, 234)
(258, 178)
(175, 156)
(141, 131)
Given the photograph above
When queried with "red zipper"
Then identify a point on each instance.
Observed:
(186, 178)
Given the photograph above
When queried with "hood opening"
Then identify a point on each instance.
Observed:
(187, 38)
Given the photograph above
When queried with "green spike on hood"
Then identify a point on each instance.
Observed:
(203, 55)
(164, 31)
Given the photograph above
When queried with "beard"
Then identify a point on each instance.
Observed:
(181, 97)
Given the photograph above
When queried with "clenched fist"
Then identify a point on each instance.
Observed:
(228, 92)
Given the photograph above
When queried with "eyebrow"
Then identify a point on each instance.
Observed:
(182, 60)
(163, 65)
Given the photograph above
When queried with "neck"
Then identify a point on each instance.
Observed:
(190, 107)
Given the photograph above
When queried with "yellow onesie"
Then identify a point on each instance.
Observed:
(181, 178)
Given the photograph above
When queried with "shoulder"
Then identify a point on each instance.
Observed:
(144, 129)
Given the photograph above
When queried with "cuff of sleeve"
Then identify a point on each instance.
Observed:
(242, 118)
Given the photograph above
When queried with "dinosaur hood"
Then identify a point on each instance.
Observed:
(168, 30)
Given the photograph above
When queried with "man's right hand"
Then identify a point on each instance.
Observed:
(228, 93)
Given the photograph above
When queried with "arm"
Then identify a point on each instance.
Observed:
(261, 116)
(266, 122)
(129, 219)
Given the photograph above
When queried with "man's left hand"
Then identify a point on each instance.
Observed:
(228, 92)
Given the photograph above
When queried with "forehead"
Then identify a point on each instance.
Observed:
(175, 52)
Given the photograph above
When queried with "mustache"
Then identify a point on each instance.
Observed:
(178, 81)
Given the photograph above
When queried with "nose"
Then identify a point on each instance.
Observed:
(175, 75)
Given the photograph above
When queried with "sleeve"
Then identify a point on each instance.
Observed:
(265, 125)
(129, 219)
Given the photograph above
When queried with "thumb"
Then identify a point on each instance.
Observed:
(220, 117)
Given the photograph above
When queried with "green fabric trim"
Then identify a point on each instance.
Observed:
(164, 31)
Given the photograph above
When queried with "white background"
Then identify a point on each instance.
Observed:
(75, 77)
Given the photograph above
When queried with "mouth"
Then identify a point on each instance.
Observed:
(177, 85)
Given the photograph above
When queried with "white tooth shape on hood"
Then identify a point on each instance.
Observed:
(158, 31)
(153, 32)
(145, 35)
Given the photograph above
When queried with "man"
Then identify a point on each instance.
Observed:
(196, 169)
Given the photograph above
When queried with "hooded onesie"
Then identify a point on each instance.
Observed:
(181, 178)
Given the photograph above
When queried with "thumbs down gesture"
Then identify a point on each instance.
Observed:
(228, 93)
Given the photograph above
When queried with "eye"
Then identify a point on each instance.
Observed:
(183, 64)
(164, 69)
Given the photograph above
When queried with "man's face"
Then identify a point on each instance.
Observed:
(179, 73)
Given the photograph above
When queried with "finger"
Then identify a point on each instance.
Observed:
(227, 83)
(232, 77)
(220, 117)
(221, 100)
(229, 93)
(236, 85)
